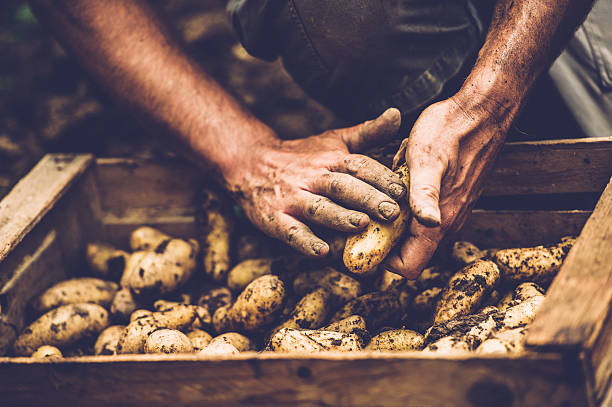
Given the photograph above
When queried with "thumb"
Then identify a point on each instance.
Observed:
(374, 132)
(425, 180)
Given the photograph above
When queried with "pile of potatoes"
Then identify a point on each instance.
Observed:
(170, 295)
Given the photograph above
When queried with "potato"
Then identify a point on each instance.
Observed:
(312, 310)
(432, 277)
(136, 333)
(245, 272)
(424, 303)
(61, 327)
(309, 341)
(140, 313)
(106, 261)
(199, 339)
(365, 250)
(376, 308)
(466, 335)
(343, 288)
(466, 290)
(131, 266)
(47, 351)
(239, 341)
(396, 340)
(146, 238)
(76, 290)
(526, 291)
(461, 325)
(216, 225)
(255, 307)
(219, 348)
(208, 304)
(162, 271)
(538, 264)
(349, 325)
(388, 281)
(123, 305)
(168, 341)
(106, 344)
(464, 253)
(504, 342)
(521, 314)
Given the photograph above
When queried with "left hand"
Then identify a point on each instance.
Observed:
(450, 149)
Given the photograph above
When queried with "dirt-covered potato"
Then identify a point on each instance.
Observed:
(309, 341)
(425, 302)
(76, 290)
(311, 311)
(216, 224)
(396, 340)
(431, 277)
(254, 308)
(106, 261)
(163, 270)
(528, 290)
(199, 339)
(521, 314)
(106, 344)
(239, 341)
(343, 288)
(466, 290)
(245, 272)
(61, 327)
(46, 351)
(464, 333)
(365, 250)
(140, 313)
(123, 305)
(388, 281)
(136, 333)
(146, 238)
(219, 348)
(349, 325)
(168, 341)
(377, 309)
(464, 253)
(538, 264)
(508, 341)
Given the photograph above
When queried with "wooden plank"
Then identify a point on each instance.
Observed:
(579, 299)
(598, 367)
(36, 194)
(360, 379)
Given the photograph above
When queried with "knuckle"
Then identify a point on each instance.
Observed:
(315, 206)
(356, 163)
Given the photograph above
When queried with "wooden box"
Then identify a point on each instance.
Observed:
(68, 200)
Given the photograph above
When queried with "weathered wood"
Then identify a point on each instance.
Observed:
(578, 301)
(36, 194)
(598, 367)
(356, 379)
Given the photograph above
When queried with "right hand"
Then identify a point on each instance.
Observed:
(285, 185)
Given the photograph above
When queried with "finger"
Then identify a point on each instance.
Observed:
(374, 173)
(315, 208)
(299, 236)
(416, 251)
(425, 179)
(356, 194)
(373, 132)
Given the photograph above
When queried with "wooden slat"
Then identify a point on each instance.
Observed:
(36, 194)
(579, 298)
(362, 379)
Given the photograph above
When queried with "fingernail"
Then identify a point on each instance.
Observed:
(387, 209)
(429, 216)
(397, 190)
(317, 248)
(356, 220)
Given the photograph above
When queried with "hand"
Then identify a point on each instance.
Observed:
(285, 185)
(450, 148)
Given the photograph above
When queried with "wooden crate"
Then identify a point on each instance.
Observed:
(67, 200)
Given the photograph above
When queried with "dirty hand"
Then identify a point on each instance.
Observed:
(283, 186)
(448, 153)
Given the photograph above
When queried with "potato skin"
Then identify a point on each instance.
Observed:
(168, 341)
(396, 340)
(146, 238)
(466, 290)
(376, 308)
(46, 351)
(365, 250)
(123, 305)
(239, 341)
(464, 253)
(106, 261)
(61, 327)
(74, 291)
(219, 348)
(106, 344)
(310, 341)
(504, 342)
(537, 264)
(199, 339)
(254, 308)
(245, 272)
(136, 333)
(216, 225)
(348, 325)
(343, 288)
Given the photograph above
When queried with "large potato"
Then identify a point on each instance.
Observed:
(396, 340)
(466, 290)
(539, 264)
(216, 223)
(106, 344)
(106, 261)
(365, 250)
(146, 238)
(343, 288)
(376, 308)
(61, 327)
(255, 307)
(168, 341)
(309, 341)
(136, 333)
(76, 290)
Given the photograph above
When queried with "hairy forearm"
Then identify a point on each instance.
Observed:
(523, 39)
(130, 53)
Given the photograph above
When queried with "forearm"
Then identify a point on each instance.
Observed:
(131, 54)
(523, 39)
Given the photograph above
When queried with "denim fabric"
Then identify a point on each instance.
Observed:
(359, 57)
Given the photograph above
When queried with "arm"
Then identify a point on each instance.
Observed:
(281, 184)
(454, 142)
